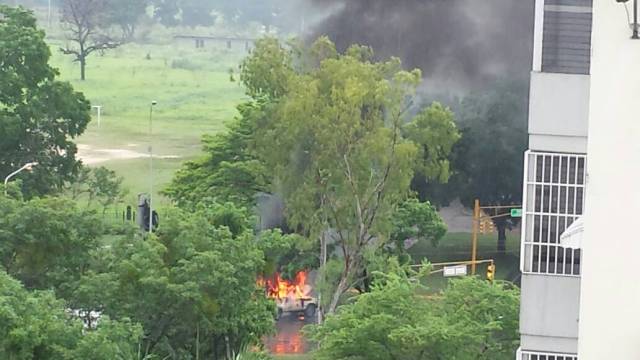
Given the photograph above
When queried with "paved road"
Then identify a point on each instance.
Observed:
(288, 339)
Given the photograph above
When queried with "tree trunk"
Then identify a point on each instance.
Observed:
(366, 281)
(228, 347)
(83, 65)
(335, 300)
(502, 237)
(198, 342)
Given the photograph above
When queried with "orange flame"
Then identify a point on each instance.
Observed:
(279, 288)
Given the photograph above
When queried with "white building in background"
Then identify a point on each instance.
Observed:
(581, 299)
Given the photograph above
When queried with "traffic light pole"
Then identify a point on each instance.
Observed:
(474, 236)
(476, 224)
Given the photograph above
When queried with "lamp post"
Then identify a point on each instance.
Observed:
(27, 166)
(153, 103)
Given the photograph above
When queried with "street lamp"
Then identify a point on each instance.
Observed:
(27, 166)
(153, 103)
(635, 26)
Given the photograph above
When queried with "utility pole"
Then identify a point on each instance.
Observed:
(474, 236)
(49, 15)
(153, 103)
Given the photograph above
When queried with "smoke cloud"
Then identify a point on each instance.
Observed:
(458, 44)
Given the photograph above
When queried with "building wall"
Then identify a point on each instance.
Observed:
(558, 107)
(549, 313)
(610, 307)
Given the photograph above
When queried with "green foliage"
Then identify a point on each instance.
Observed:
(98, 184)
(198, 281)
(489, 156)
(205, 12)
(229, 172)
(330, 134)
(39, 116)
(435, 133)
(267, 71)
(418, 221)
(335, 142)
(126, 14)
(286, 253)
(232, 171)
(34, 325)
(470, 319)
(46, 243)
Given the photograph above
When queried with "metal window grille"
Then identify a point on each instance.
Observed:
(527, 355)
(554, 193)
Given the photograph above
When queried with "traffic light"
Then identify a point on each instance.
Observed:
(486, 226)
(491, 272)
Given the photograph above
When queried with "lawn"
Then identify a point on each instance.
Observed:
(194, 93)
(292, 357)
(457, 247)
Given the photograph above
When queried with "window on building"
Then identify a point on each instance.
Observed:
(567, 36)
(553, 199)
(547, 356)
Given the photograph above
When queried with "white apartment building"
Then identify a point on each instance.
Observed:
(583, 162)
(555, 179)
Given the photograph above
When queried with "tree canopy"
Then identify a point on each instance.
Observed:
(46, 243)
(39, 116)
(35, 325)
(337, 143)
(470, 319)
(192, 287)
(489, 158)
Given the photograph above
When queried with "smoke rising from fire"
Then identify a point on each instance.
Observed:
(458, 44)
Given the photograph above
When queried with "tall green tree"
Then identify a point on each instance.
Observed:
(35, 325)
(337, 145)
(47, 243)
(470, 319)
(489, 158)
(39, 116)
(193, 287)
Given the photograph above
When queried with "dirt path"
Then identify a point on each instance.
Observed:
(92, 156)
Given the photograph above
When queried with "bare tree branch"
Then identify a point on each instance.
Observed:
(85, 23)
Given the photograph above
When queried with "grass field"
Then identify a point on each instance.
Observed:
(457, 247)
(194, 93)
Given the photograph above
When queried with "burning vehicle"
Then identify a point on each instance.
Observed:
(291, 295)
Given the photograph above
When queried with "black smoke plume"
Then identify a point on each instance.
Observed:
(458, 44)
